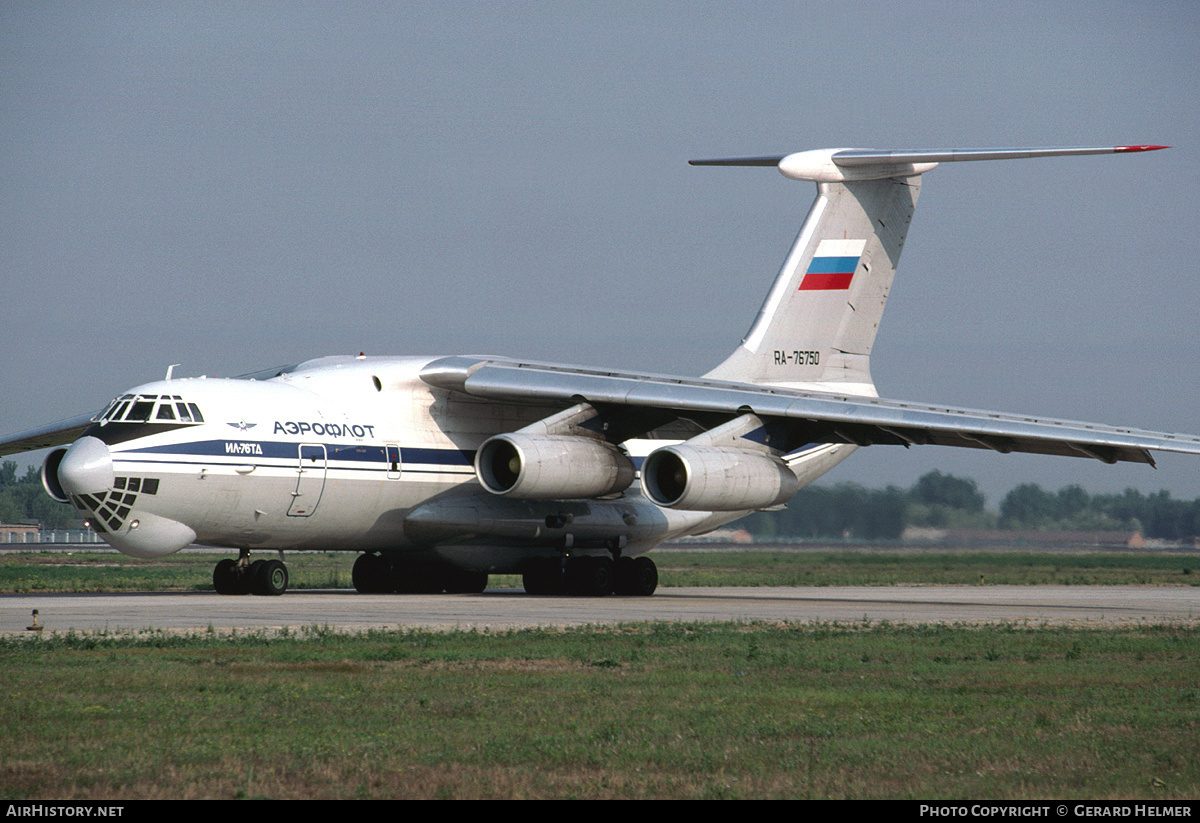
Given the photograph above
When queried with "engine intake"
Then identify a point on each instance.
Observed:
(548, 467)
(50, 480)
(714, 478)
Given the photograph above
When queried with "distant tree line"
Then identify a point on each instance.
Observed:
(1155, 515)
(23, 500)
(939, 500)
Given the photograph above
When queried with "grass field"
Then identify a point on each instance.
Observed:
(637, 711)
(645, 711)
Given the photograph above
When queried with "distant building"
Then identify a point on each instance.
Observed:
(1029, 537)
(19, 532)
(739, 536)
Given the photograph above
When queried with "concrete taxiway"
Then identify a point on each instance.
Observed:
(499, 609)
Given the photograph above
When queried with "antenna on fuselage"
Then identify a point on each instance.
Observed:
(171, 370)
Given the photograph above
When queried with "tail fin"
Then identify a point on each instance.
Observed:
(816, 328)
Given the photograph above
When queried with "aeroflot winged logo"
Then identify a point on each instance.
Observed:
(832, 267)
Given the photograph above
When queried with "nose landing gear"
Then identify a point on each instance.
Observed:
(264, 577)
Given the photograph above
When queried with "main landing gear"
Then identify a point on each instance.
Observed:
(381, 574)
(581, 575)
(266, 577)
(591, 576)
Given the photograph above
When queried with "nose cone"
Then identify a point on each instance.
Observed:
(86, 468)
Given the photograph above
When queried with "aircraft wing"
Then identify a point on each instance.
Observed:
(823, 417)
(43, 437)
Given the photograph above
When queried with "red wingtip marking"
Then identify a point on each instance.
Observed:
(1141, 148)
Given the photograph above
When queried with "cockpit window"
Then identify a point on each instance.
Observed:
(143, 409)
(119, 412)
(140, 412)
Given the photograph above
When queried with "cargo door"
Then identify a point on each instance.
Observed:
(310, 481)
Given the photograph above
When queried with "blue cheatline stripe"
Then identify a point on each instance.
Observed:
(407, 469)
(290, 451)
(214, 448)
(832, 265)
(438, 457)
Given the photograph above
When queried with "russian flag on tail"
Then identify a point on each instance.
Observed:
(833, 266)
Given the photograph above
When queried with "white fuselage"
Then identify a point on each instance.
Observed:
(347, 453)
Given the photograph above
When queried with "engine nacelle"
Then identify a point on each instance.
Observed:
(50, 476)
(713, 478)
(550, 466)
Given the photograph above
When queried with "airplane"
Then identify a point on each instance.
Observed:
(440, 471)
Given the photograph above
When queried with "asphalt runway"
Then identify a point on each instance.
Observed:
(500, 609)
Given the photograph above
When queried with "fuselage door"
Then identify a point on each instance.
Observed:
(393, 461)
(310, 482)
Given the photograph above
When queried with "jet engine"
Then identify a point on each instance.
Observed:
(716, 478)
(50, 476)
(551, 466)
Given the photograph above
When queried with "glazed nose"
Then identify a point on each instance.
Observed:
(86, 468)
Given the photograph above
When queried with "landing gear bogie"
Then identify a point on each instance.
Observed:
(228, 578)
(381, 574)
(464, 582)
(262, 577)
(588, 576)
(591, 576)
(636, 576)
(543, 575)
(271, 579)
(372, 574)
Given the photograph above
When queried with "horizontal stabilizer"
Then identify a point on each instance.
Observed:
(841, 165)
(772, 160)
(872, 157)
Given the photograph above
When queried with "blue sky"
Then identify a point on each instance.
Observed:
(232, 186)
